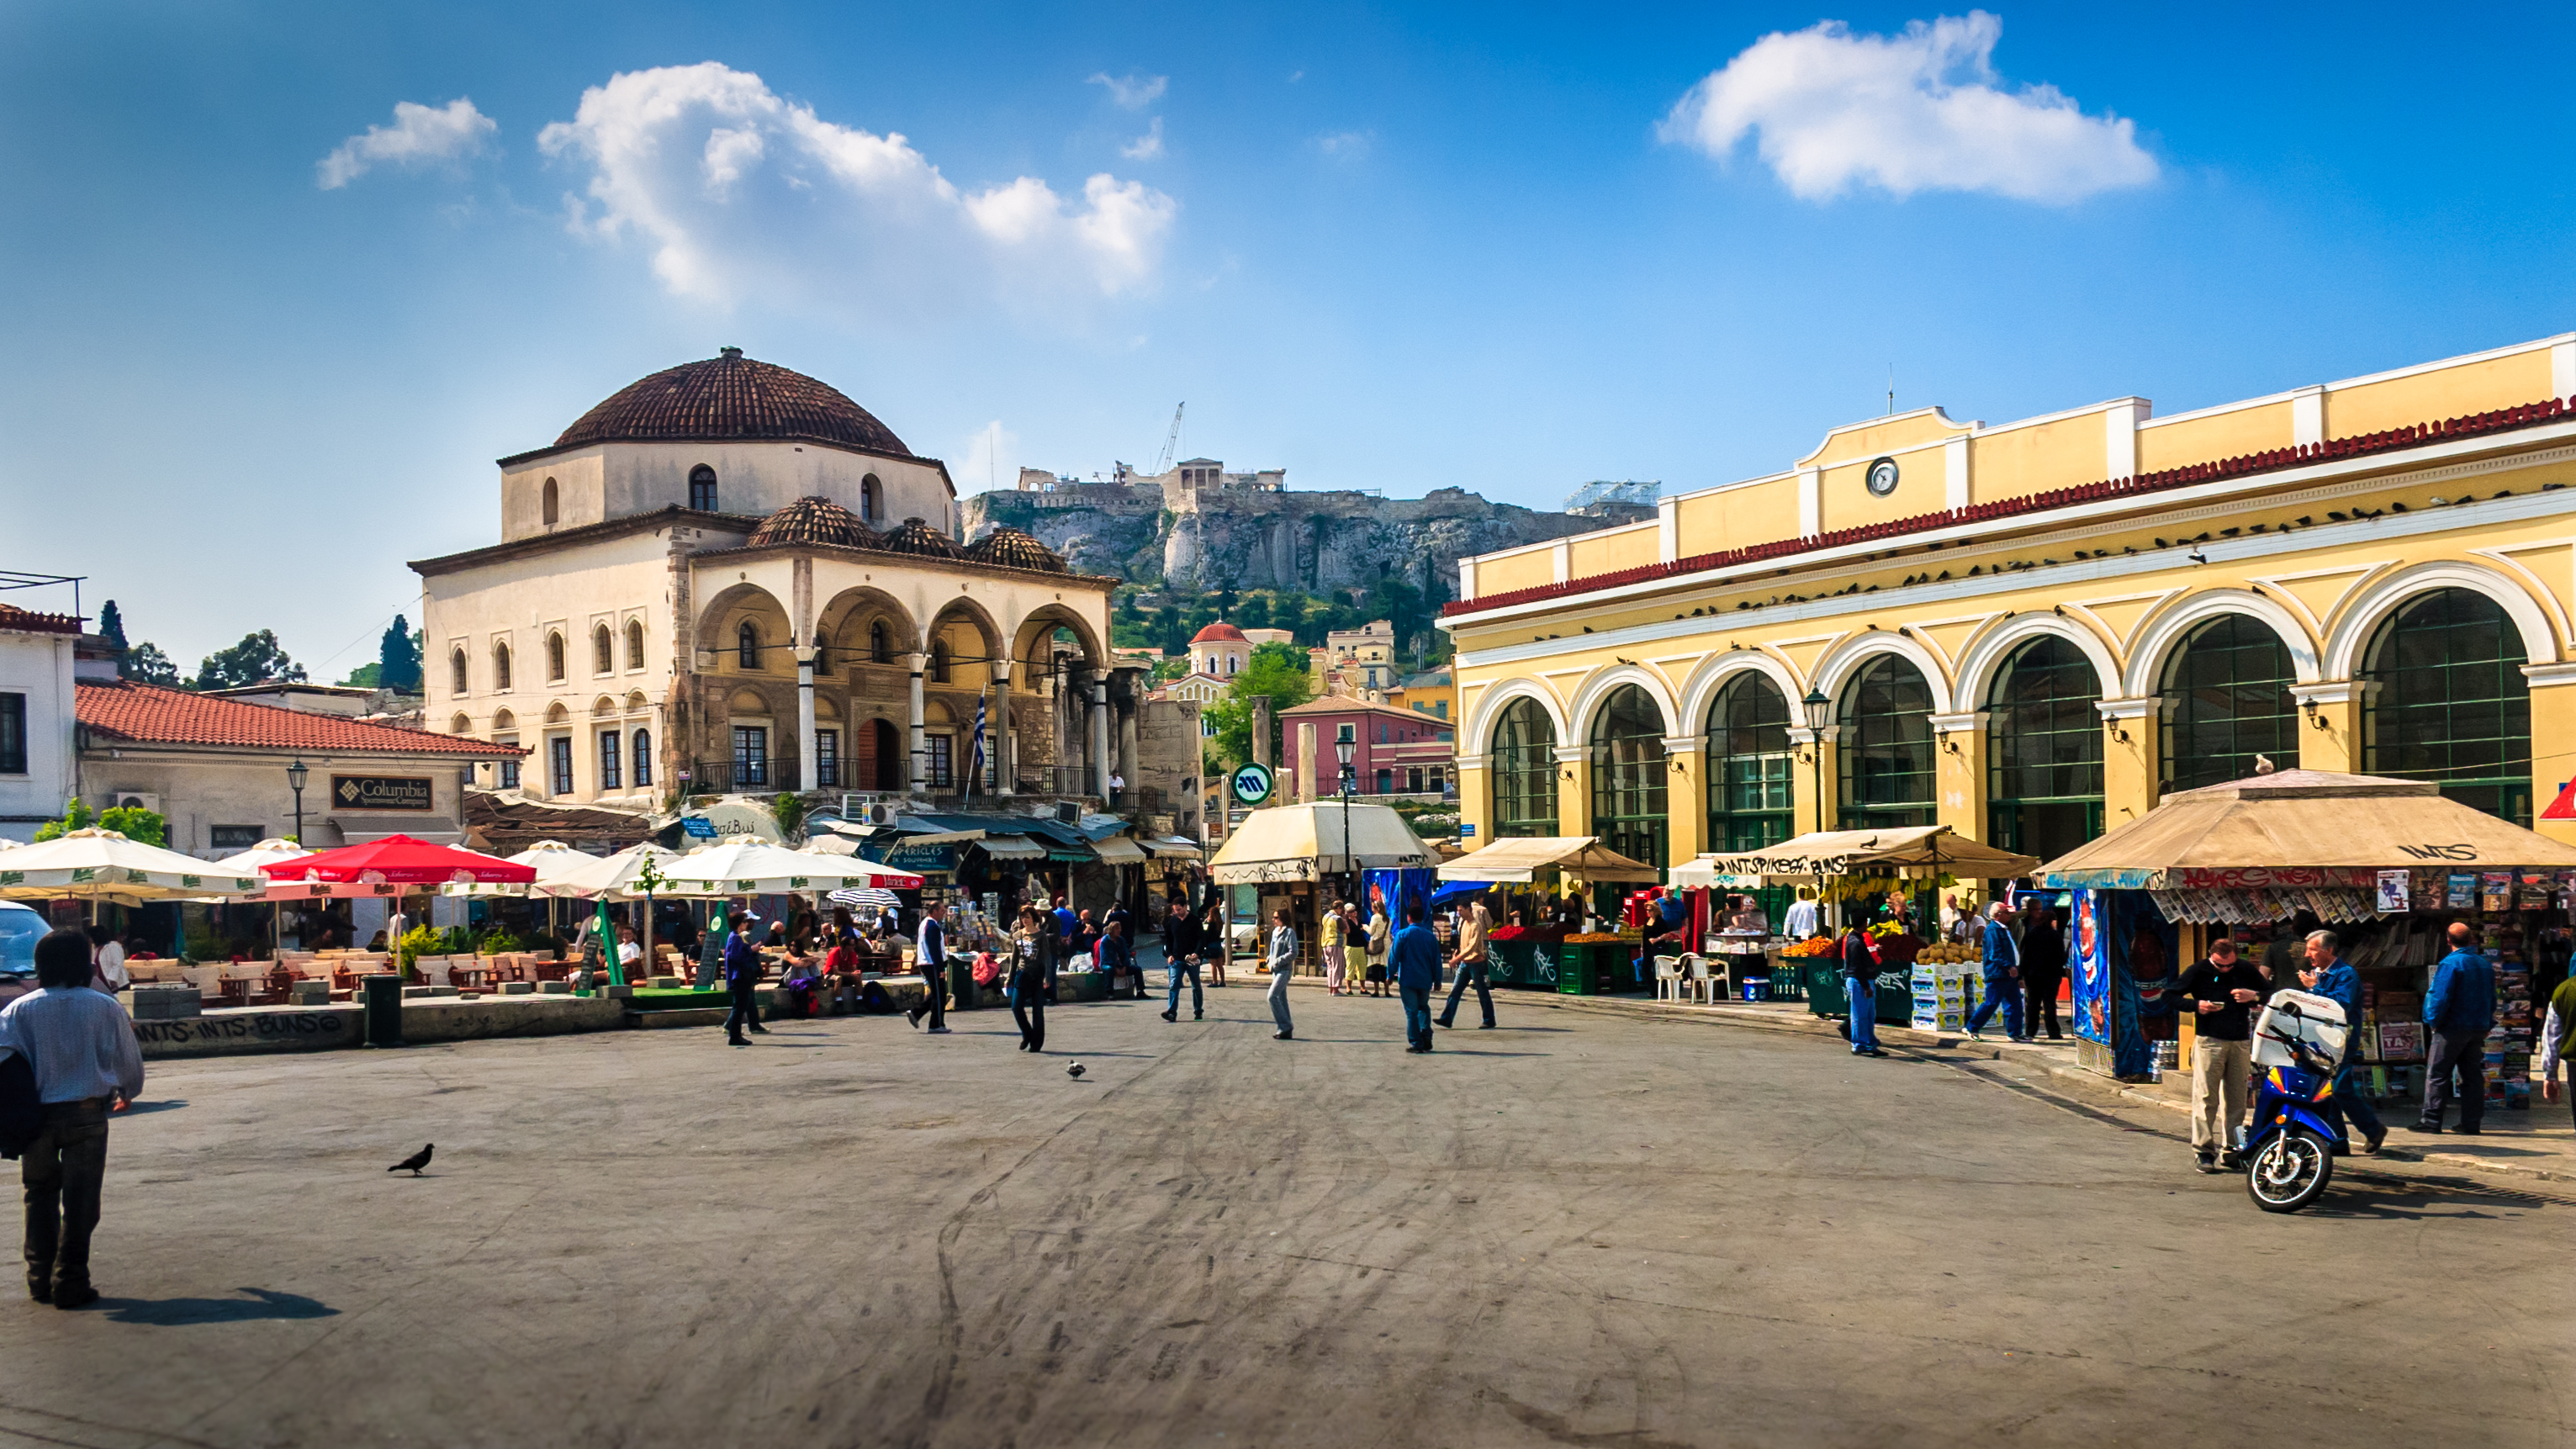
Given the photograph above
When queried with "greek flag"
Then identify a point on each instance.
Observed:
(975, 761)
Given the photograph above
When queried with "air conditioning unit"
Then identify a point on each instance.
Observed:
(134, 800)
(881, 813)
(1068, 812)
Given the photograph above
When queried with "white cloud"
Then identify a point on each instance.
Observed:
(419, 136)
(743, 193)
(1921, 111)
(1145, 147)
(1132, 91)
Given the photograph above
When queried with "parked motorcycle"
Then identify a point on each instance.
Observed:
(2297, 1131)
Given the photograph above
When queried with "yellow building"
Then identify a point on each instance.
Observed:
(2030, 631)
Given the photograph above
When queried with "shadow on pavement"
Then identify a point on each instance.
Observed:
(180, 1312)
(137, 1109)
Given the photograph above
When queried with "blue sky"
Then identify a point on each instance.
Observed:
(1397, 248)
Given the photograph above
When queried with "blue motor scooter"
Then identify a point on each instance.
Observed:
(2297, 1132)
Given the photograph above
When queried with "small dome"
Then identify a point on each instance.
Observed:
(1219, 632)
(917, 537)
(815, 520)
(1011, 548)
(731, 397)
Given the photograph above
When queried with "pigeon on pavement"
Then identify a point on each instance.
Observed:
(1074, 1071)
(414, 1163)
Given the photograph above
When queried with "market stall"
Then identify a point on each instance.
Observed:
(1899, 871)
(1296, 857)
(1538, 942)
(2386, 864)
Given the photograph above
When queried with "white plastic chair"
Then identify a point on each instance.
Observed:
(1696, 966)
(1668, 979)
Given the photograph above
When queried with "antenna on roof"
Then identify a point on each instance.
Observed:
(1171, 443)
(1891, 389)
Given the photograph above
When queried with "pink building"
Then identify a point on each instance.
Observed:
(1393, 751)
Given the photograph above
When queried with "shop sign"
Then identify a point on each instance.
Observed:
(1251, 783)
(919, 858)
(2259, 877)
(697, 827)
(382, 792)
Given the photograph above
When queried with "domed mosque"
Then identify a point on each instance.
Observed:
(730, 578)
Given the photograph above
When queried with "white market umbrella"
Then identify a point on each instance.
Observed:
(612, 877)
(96, 864)
(267, 852)
(743, 865)
(552, 860)
(871, 898)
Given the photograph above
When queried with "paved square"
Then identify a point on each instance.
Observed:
(1580, 1229)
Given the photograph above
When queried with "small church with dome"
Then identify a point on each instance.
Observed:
(730, 578)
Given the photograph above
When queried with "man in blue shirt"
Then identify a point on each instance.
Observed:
(1415, 960)
(742, 968)
(2329, 975)
(81, 1050)
(2458, 1012)
(2002, 962)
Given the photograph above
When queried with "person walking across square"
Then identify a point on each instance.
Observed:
(1414, 961)
(80, 1047)
(1033, 951)
(2558, 1040)
(1475, 932)
(1182, 945)
(2458, 1011)
(1283, 964)
(742, 968)
(2002, 963)
(2043, 970)
(930, 956)
(1328, 942)
(1860, 990)
(2223, 992)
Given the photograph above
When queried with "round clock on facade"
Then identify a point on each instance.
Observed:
(1882, 476)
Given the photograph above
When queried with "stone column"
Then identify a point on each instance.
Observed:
(1686, 797)
(1127, 742)
(1005, 758)
(916, 765)
(1959, 772)
(809, 773)
(1100, 737)
(2132, 731)
(1476, 812)
(2330, 725)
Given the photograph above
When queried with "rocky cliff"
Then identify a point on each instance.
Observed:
(1315, 542)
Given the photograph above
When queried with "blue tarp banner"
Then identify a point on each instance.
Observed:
(2123, 957)
(1393, 890)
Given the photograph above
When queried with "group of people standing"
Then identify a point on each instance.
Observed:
(2021, 964)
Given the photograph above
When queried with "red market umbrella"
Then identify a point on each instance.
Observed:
(385, 867)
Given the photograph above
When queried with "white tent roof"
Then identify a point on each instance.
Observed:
(1309, 841)
(1519, 860)
(106, 865)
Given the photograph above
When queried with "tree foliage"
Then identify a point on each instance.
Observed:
(111, 627)
(398, 658)
(131, 821)
(146, 664)
(257, 659)
(1275, 671)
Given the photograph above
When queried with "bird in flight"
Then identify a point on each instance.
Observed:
(414, 1163)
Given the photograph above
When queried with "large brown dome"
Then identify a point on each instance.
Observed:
(815, 520)
(917, 537)
(729, 398)
(1011, 548)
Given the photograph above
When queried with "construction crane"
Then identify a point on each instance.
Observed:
(1171, 443)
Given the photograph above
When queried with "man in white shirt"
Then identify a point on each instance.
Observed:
(630, 952)
(109, 974)
(930, 956)
(81, 1047)
(1804, 919)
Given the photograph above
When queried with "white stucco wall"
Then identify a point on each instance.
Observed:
(38, 666)
(199, 789)
(619, 480)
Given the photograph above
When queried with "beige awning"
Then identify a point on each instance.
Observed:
(1919, 848)
(1005, 847)
(1118, 850)
(1519, 861)
(2270, 829)
(1173, 847)
(1312, 840)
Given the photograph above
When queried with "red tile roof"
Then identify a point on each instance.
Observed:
(27, 621)
(150, 714)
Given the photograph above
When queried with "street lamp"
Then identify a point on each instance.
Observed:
(295, 774)
(1350, 783)
(1820, 712)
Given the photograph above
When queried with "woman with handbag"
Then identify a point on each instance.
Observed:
(1033, 959)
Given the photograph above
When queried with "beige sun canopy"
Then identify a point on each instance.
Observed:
(1520, 861)
(1927, 848)
(2300, 819)
(1307, 842)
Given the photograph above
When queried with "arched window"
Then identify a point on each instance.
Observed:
(2227, 699)
(552, 511)
(1887, 767)
(939, 662)
(643, 758)
(1628, 776)
(2448, 702)
(603, 650)
(880, 647)
(871, 499)
(2044, 748)
(746, 645)
(1748, 765)
(554, 657)
(500, 666)
(634, 643)
(702, 488)
(456, 672)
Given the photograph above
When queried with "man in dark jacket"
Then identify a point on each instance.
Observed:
(1183, 941)
(1860, 988)
(742, 968)
(2222, 992)
(2458, 1011)
(2043, 970)
(1415, 958)
(1034, 961)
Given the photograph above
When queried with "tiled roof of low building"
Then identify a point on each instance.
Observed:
(151, 714)
(27, 621)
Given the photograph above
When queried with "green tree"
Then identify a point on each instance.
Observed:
(137, 824)
(398, 658)
(1274, 670)
(146, 664)
(111, 627)
(76, 816)
(365, 676)
(1253, 612)
(257, 659)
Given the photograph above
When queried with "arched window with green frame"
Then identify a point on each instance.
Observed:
(1630, 807)
(2044, 750)
(1888, 774)
(1748, 765)
(2446, 701)
(2227, 700)
(1523, 768)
